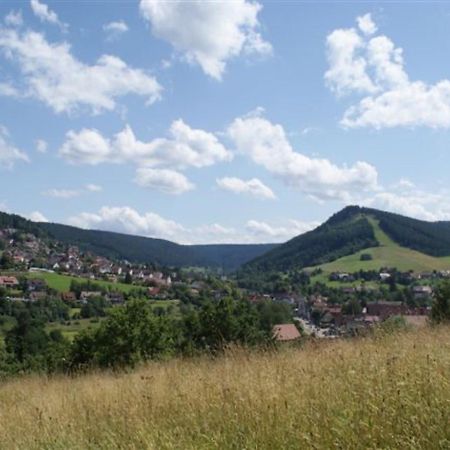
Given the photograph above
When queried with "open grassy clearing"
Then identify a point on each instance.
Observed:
(62, 282)
(388, 254)
(392, 392)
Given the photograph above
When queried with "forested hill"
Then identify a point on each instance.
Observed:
(343, 234)
(349, 231)
(140, 249)
(160, 251)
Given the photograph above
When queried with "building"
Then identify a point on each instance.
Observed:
(286, 332)
(9, 282)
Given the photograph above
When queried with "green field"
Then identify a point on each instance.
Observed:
(387, 254)
(71, 328)
(61, 283)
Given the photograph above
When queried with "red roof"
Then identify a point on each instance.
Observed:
(285, 332)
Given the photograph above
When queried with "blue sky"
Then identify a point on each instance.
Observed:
(230, 121)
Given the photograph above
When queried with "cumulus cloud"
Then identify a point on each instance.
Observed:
(158, 160)
(9, 154)
(14, 19)
(253, 187)
(405, 198)
(37, 216)
(185, 147)
(164, 180)
(366, 24)
(268, 146)
(128, 220)
(45, 14)
(54, 76)
(124, 219)
(114, 30)
(207, 33)
(373, 68)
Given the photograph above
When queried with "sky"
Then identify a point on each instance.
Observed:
(222, 121)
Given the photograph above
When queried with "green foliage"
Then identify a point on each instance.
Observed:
(130, 334)
(94, 307)
(366, 257)
(440, 310)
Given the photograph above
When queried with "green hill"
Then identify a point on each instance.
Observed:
(387, 254)
(392, 240)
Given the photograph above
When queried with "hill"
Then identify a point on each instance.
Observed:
(386, 392)
(387, 254)
(392, 240)
(140, 249)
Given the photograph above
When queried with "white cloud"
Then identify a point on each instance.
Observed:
(41, 146)
(348, 70)
(9, 154)
(115, 29)
(279, 233)
(366, 24)
(45, 14)
(406, 198)
(124, 219)
(62, 193)
(128, 220)
(14, 19)
(186, 147)
(374, 68)
(54, 76)
(164, 180)
(37, 216)
(267, 145)
(93, 188)
(207, 33)
(7, 90)
(253, 187)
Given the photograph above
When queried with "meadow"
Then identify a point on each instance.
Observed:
(387, 254)
(61, 283)
(383, 392)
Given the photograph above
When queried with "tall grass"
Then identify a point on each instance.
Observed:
(388, 392)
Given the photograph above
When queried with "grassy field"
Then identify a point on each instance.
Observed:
(62, 282)
(388, 254)
(390, 392)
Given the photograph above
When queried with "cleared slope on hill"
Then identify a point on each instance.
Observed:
(387, 254)
(390, 392)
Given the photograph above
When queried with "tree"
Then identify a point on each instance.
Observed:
(128, 278)
(440, 310)
(129, 334)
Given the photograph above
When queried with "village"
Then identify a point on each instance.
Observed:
(356, 301)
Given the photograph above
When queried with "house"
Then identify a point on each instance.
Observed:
(9, 282)
(85, 295)
(422, 292)
(116, 298)
(285, 332)
(38, 295)
(36, 284)
(68, 297)
(385, 309)
(384, 276)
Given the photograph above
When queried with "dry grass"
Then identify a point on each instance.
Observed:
(391, 392)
